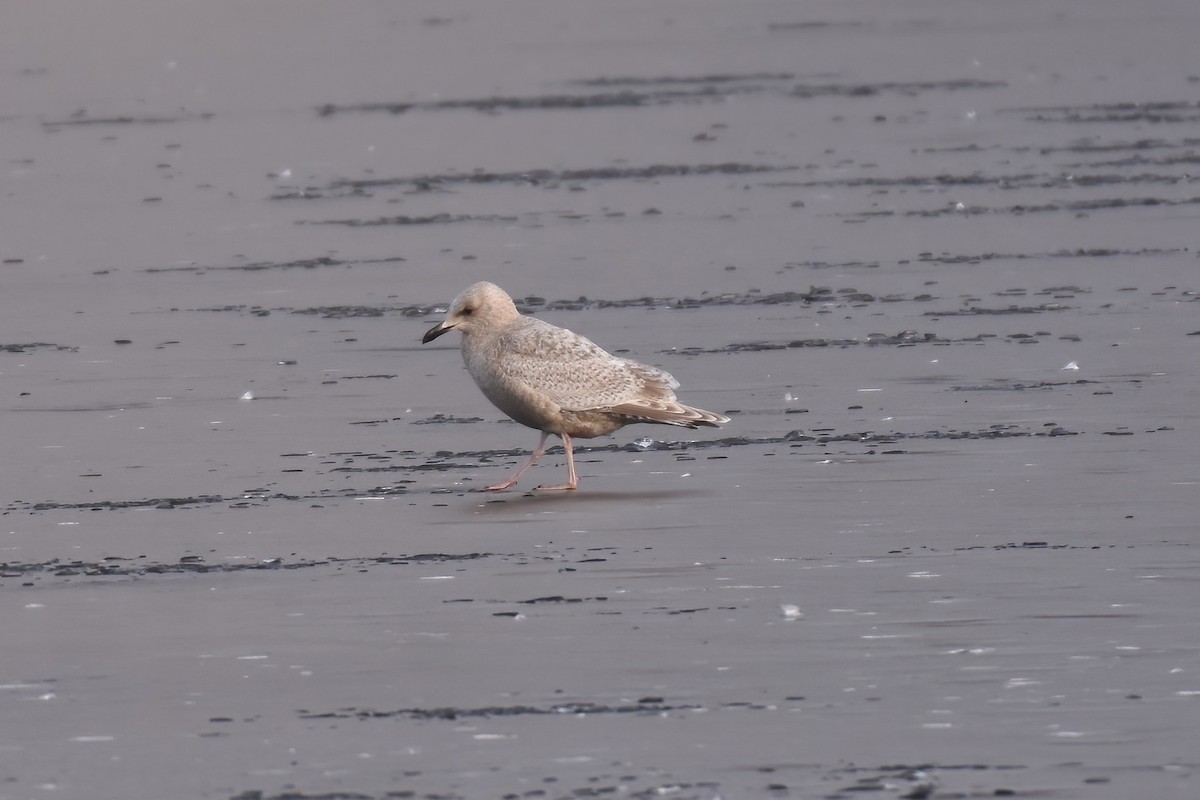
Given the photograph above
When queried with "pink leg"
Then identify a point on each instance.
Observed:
(572, 480)
(516, 476)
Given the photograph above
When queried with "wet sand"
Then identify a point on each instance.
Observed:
(937, 261)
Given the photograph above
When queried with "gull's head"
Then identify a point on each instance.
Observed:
(479, 306)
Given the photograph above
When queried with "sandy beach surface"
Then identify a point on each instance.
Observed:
(937, 261)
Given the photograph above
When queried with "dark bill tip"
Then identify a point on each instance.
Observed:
(434, 332)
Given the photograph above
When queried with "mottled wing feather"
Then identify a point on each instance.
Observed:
(578, 374)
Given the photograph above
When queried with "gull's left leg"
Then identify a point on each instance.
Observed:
(516, 476)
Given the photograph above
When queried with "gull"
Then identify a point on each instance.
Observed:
(554, 380)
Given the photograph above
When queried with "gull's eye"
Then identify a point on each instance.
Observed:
(467, 311)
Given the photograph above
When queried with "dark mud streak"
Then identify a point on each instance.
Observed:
(83, 120)
(909, 89)
(603, 785)
(1170, 112)
(26, 347)
(558, 599)
(975, 311)
(245, 499)
(402, 219)
(1081, 252)
(348, 312)
(1037, 180)
(258, 266)
(1138, 161)
(902, 339)
(1017, 386)
(549, 102)
(118, 566)
(646, 706)
(1090, 145)
(1078, 207)
(669, 79)
(710, 90)
(438, 419)
(541, 177)
(159, 502)
(815, 25)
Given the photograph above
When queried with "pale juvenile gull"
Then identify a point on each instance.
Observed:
(555, 380)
